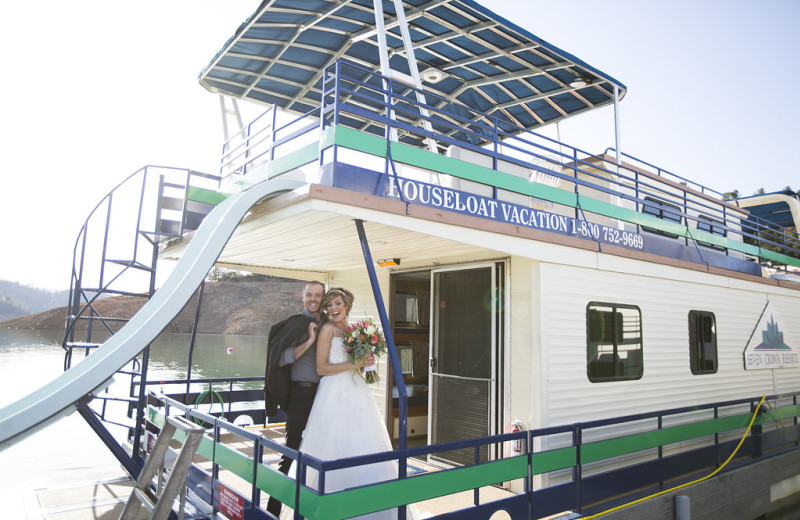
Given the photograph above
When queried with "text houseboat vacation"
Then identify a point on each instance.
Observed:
(570, 331)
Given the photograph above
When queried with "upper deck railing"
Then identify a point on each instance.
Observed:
(620, 198)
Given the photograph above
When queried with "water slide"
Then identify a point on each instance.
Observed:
(93, 374)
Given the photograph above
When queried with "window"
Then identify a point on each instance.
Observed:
(702, 342)
(713, 226)
(613, 342)
(661, 210)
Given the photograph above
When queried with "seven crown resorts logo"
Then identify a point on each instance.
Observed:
(769, 347)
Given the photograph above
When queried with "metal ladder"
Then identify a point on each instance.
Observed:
(159, 503)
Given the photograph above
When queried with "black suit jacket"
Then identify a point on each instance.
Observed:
(285, 334)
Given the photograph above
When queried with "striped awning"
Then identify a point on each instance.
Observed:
(464, 52)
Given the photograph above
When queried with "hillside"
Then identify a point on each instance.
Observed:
(238, 306)
(18, 300)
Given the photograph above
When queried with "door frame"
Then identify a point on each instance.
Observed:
(498, 398)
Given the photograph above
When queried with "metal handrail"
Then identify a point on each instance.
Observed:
(530, 442)
(118, 243)
(89, 280)
(357, 93)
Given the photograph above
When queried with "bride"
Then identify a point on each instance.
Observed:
(345, 420)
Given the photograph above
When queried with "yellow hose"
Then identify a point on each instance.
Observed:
(746, 433)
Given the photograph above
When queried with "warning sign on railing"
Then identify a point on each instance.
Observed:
(230, 503)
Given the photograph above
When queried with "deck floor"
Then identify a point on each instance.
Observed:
(105, 500)
(103, 496)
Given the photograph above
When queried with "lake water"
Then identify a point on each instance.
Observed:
(68, 451)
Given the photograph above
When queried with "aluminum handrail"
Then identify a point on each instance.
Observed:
(355, 92)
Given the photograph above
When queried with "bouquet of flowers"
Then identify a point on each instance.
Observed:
(362, 338)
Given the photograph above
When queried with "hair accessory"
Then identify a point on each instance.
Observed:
(337, 291)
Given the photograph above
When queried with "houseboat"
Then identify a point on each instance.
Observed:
(574, 333)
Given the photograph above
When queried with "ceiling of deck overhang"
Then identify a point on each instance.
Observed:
(492, 65)
(324, 242)
(322, 237)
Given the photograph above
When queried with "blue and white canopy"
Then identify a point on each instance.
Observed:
(464, 52)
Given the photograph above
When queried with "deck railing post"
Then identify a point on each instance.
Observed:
(756, 433)
(217, 438)
(577, 473)
(794, 403)
(660, 448)
(272, 133)
(529, 478)
(577, 193)
(476, 496)
(686, 213)
(258, 458)
(337, 91)
(301, 478)
(496, 151)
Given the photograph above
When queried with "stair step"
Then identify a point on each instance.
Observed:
(133, 264)
(81, 344)
(171, 228)
(172, 203)
(99, 318)
(157, 238)
(115, 291)
(106, 395)
(192, 220)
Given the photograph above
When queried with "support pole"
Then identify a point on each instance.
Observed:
(387, 331)
(402, 394)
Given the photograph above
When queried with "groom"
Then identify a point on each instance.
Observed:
(292, 377)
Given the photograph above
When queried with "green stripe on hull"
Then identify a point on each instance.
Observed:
(553, 460)
(296, 159)
(276, 484)
(596, 451)
(354, 502)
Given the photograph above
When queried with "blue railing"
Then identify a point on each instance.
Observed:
(115, 253)
(269, 136)
(118, 242)
(357, 97)
(588, 467)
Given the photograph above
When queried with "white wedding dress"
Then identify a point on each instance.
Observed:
(345, 422)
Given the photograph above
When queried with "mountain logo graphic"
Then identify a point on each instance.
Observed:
(772, 338)
(771, 345)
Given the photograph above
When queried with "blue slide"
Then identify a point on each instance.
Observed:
(94, 373)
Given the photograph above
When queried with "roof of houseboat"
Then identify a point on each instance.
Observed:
(464, 52)
(781, 208)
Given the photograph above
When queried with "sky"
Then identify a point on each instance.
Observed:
(93, 90)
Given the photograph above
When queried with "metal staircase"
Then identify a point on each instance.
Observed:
(115, 254)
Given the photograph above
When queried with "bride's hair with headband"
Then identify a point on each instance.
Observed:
(346, 296)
